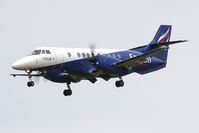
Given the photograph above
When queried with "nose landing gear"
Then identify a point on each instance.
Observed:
(30, 83)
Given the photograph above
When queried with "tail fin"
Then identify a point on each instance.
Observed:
(162, 36)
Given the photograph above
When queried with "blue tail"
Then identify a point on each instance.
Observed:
(162, 36)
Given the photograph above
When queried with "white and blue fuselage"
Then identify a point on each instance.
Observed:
(67, 65)
(77, 62)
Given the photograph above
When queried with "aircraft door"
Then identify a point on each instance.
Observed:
(59, 59)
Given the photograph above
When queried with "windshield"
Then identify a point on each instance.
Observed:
(36, 52)
(39, 51)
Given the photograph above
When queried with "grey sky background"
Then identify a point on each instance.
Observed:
(163, 101)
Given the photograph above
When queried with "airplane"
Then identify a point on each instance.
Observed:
(71, 65)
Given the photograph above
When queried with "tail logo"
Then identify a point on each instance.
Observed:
(165, 37)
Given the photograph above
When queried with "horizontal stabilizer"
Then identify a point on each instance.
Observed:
(160, 44)
(168, 43)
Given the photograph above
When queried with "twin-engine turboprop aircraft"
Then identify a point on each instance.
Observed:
(71, 65)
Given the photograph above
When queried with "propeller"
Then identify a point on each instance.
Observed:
(92, 49)
(93, 55)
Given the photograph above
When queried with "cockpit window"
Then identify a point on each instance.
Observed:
(36, 52)
(47, 51)
(43, 51)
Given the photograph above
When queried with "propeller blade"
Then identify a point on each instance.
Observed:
(92, 48)
(93, 55)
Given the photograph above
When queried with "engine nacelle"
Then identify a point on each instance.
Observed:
(59, 77)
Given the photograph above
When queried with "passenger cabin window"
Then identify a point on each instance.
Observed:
(78, 55)
(69, 54)
(83, 55)
(88, 55)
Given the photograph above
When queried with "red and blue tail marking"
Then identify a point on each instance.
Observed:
(162, 36)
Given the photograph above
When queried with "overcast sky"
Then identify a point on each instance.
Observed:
(163, 101)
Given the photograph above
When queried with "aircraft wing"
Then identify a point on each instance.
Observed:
(132, 62)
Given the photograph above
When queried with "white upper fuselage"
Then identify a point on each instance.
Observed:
(47, 56)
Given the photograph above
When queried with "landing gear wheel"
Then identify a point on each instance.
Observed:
(30, 84)
(119, 83)
(67, 92)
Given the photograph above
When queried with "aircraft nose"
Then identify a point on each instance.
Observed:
(23, 64)
(18, 65)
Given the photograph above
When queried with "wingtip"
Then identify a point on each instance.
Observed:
(13, 75)
(184, 40)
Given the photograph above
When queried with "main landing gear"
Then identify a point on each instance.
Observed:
(67, 92)
(119, 83)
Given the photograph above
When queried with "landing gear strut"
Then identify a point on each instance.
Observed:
(119, 83)
(30, 83)
(67, 92)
